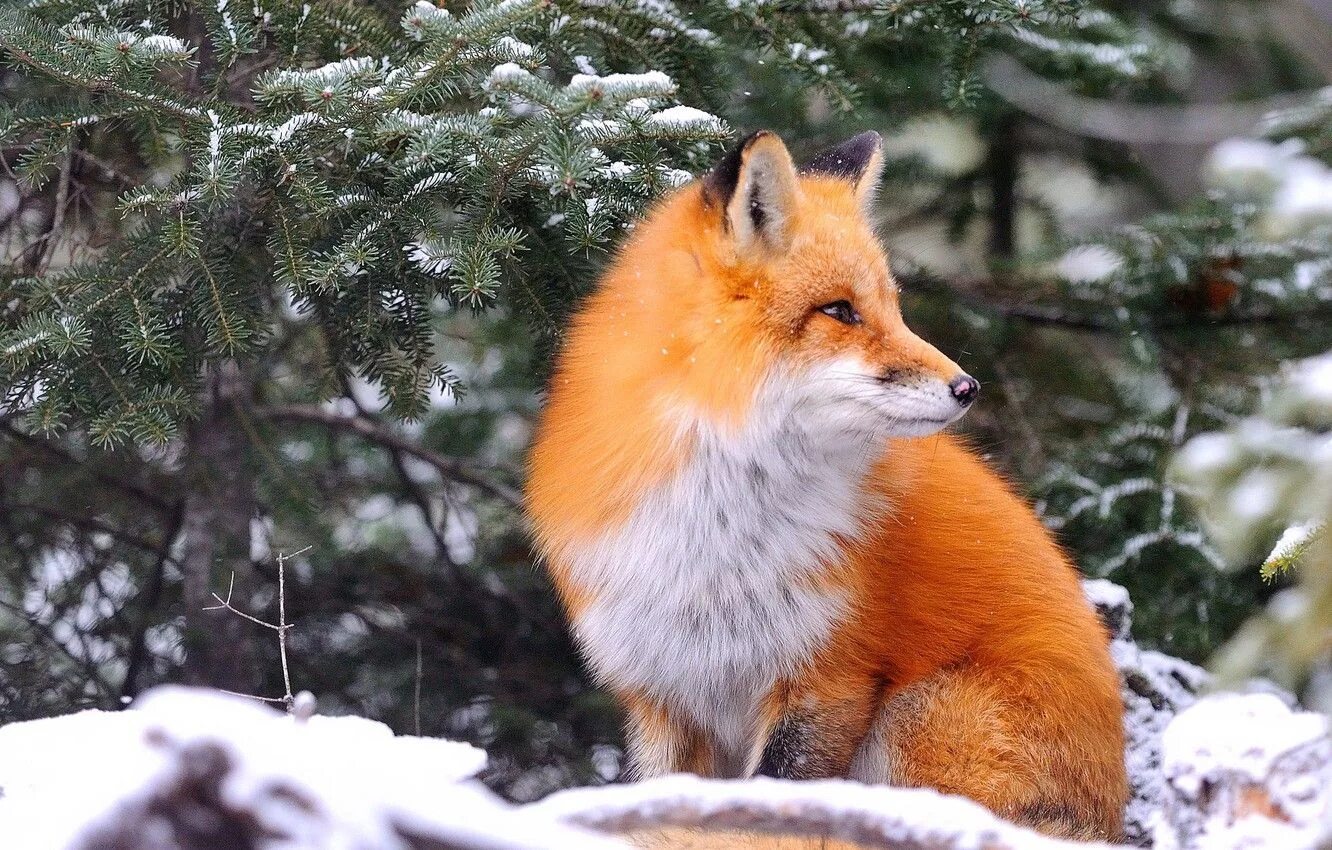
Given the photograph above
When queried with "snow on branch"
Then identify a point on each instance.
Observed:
(687, 119)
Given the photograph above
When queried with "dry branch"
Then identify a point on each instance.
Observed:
(1191, 124)
(450, 468)
(287, 699)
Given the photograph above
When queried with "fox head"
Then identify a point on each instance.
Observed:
(755, 304)
(754, 277)
(749, 317)
(802, 272)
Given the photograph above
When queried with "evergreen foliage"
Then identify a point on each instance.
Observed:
(1269, 479)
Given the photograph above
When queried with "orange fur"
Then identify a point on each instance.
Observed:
(968, 655)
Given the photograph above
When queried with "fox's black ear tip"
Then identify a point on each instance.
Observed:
(719, 183)
(849, 159)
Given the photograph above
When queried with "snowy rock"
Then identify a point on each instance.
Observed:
(197, 769)
(1113, 605)
(866, 816)
(1155, 687)
(1246, 771)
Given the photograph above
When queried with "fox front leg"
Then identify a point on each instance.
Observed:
(816, 735)
(659, 743)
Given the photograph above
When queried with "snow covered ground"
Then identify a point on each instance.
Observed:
(197, 769)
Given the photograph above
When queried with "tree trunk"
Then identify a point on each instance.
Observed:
(219, 645)
(1001, 169)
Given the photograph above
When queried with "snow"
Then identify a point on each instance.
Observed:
(947, 144)
(804, 53)
(1251, 166)
(1297, 187)
(1304, 198)
(288, 129)
(675, 177)
(1088, 264)
(330, 74)
(876, 816)
(1292, 539)
(508, 72)
(431, 257)
(1125, 60)
(1245, 770)
(1106, 595)
(1207, 454)
(214, 144)
(1310, 381)
(687, 117)
(622, 86)
(165, 47)
(227, 23)
(330, 782)
(514, 47)
(347, 782)
(1154, 687)
(1256, 495)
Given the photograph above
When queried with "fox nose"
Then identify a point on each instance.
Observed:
(965, 389)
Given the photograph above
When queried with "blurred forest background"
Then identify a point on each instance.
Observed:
(286, 278)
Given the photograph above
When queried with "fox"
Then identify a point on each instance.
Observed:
(769, 550)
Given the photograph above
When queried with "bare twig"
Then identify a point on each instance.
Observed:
(282, 624)
(254, 696)
(416, 703)
(288, 699)
(226, 603)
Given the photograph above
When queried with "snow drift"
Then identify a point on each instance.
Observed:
(194, 769)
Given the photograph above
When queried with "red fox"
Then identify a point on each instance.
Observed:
(768, 551)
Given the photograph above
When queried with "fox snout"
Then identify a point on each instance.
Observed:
(918, 379)
(965, 389)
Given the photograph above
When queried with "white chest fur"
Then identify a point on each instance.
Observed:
(702, 598)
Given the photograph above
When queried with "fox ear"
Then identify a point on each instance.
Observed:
(859, 159)
(757, 189)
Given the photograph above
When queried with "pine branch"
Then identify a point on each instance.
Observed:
(970, 292)
(453, 469)
(13, 21)
(1194, 124)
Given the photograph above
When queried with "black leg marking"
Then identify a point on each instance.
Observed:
(793, 752)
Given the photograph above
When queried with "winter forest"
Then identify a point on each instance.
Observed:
(282, 286)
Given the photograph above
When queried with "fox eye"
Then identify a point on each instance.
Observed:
(842, 311)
